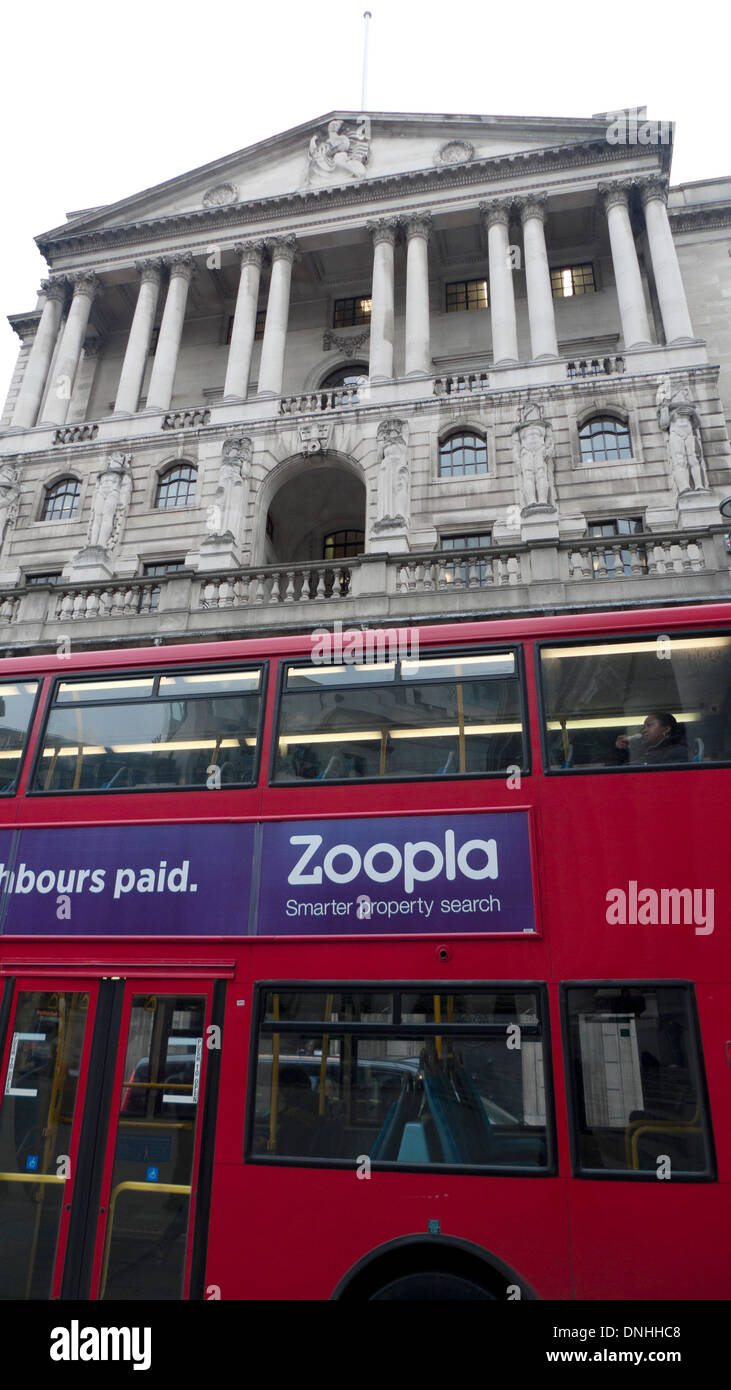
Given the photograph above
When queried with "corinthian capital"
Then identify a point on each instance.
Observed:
(150, 269)
(655, 186)
(615, 192)
(533, 205)
(250, 252)
(418, 224)
(496, 212)
(85, 282)
(283, 248)
(183, 265)
(55, 287)
(383, 229)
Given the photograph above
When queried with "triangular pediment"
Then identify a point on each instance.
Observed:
(342, 149)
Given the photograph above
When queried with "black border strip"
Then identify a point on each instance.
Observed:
(12, 790)
(204, 1179)
(697, 1071)
(93, 1141)
(6, 1004)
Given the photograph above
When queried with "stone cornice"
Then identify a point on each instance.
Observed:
(386, 187)
(691, 219)
(25, 325)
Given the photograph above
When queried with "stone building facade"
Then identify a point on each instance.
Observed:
(377, 369)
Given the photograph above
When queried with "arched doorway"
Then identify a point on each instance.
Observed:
(315, 521)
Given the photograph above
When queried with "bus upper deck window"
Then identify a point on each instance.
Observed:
(658, 701)
(152, 731)
(17, 700)
(400, 716)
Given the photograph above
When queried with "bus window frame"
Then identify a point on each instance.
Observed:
(710, 1175)
(520, 676)
(12, 790)
(610, 639)
(261, 664)
(540, 988)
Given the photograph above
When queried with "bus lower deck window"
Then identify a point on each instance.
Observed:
(636, 1082)
(412, 1078)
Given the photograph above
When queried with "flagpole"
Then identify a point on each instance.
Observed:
(366, 16)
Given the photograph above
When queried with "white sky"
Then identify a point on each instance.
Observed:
(99, 101)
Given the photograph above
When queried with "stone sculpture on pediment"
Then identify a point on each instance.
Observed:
(533, 454)
(343, 150)
(678, 418)
(226, 512)
(9, 498)
(110, 503)
(394, 477)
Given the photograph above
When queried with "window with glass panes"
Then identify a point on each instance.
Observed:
(258, 330)
(603, 440)
(61, 501)
(176, 487)
(36, 581)
(155, 570)
(567, 280)
(462, 455)
(347, 312)
(341, 545)
(473, 541)
(614, 563)
(466, 294)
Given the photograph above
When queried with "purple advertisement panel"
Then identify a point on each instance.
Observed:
(457, 873)
(143, 880)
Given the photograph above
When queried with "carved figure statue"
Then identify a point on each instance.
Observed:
(677, 416)
(341, 149)
(9, 499)
(226, 511)
(394, 476)
(533, 453)
(110, 503)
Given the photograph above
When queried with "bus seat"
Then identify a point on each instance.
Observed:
(413, 1148)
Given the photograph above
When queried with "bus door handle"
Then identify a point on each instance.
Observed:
(727, 1050)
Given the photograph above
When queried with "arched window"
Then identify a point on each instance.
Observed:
(61, 501)
(349, 375)
(603, 438)
(462, 455)
(176, 486)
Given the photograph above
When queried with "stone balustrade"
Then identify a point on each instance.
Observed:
(374, 589)
(76, 434)
(466, 383)
(314, 401)
(594, 366)
(186, 419)
(276, 584)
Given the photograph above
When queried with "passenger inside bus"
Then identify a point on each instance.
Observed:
(662, 740)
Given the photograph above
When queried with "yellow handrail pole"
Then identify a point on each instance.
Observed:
(49, 1133)
(382, 763)
(272, 1140)
(79, 761)
(323, 1059)
(52, 768)
(565, 738)
(174, 1187)
(438, 1019)
(460, 716)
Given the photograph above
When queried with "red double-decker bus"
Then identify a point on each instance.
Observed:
(369, 965)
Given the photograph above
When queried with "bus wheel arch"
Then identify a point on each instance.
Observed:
(421, 1267)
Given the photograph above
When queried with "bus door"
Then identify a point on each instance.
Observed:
(109, 1076)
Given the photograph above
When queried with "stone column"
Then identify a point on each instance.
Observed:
(138, 343)
(383, 232)
(632, 310)
(236, 386)
(271, 367)
(543, 341)
(418, 361)
(668, 280)
(502, 295)
(86, 285)
(160, 390)
(41, 353)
